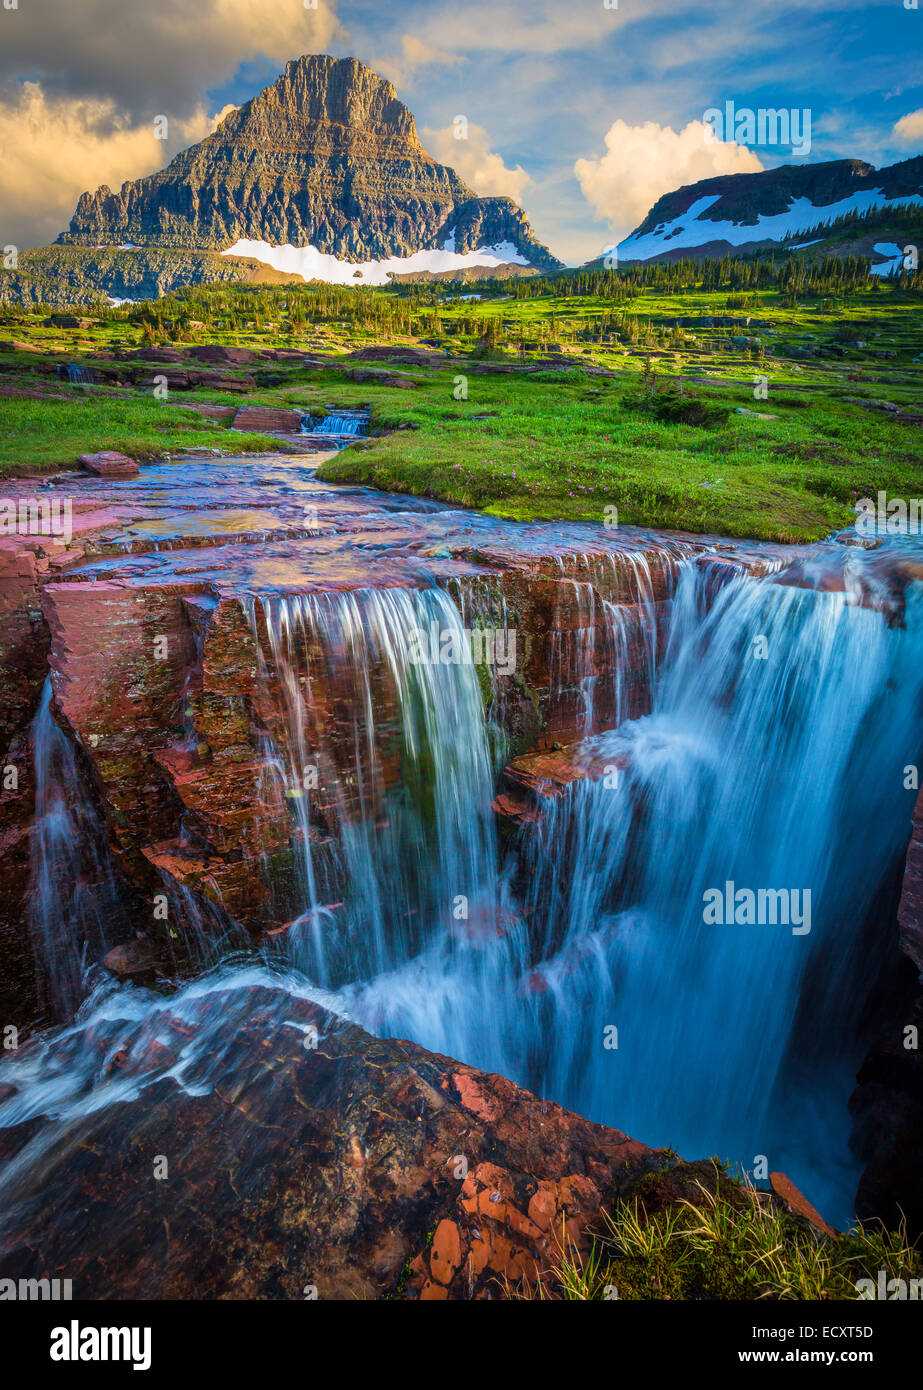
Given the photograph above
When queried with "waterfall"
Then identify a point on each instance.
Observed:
(769, 760)
(76, 907)
(387, 748)
(341, 423)
(777, 773)
(77, 374)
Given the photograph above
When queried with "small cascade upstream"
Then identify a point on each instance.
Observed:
(76, 373)
(342, 425)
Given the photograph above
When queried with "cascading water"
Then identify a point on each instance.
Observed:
(77, 374)
(76, 907)
(392, 739)
(341, 424)
(776, 774)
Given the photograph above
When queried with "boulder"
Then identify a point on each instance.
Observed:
(361, 374)
(211, 412)
(133, 958)
(110, 464)
(266, 420)
(307, 1155)
(213, 352)
(157, 354)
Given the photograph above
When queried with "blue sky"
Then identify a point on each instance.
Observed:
(542, 85)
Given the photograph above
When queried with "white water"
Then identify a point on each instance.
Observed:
(401, 757)
(784, 773)
(75, 903)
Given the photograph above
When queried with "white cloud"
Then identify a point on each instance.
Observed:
(643, 162)
(56, 148)
(909, 129)
(414, 54)
(475, 162)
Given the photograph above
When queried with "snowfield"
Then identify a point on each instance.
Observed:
(689, 231)
(312, 264)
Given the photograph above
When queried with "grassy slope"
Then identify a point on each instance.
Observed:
(39, 436)
(562, 444)
(572, 448)
(692, 1232)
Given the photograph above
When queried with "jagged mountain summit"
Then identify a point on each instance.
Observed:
(739, 213)
(326, 158)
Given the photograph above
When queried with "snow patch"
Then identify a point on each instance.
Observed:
(687, 230)
(312, 264)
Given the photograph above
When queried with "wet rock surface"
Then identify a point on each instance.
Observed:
(296, 1151)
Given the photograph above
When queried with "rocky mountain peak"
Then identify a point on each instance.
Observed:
(318, 100)
(326, 157)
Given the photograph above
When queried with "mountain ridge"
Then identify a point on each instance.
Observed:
(327, 156)
(736, 213)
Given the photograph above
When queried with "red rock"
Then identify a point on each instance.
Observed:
(132, 958)
(211, 412)
(213, 352)
(297, 1164)
(110, 464)
(265, 420)
(446, 1255)
(783, 1187)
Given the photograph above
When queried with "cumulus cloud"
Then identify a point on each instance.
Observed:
(158, 56)
(99, 72)
(480, 167)
(643, 162)
(414, 54)
(55, 148)
(909, 129)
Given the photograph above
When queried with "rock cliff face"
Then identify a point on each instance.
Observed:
(326, 157)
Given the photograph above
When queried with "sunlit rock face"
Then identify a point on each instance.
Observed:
(326, 158)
